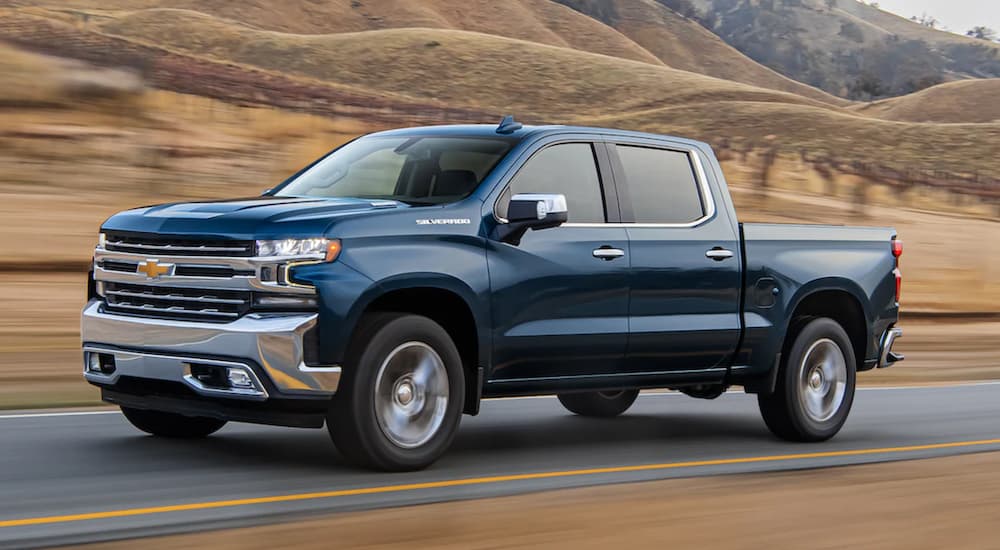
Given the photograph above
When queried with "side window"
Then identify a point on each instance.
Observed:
(569, 169)
(662, 187)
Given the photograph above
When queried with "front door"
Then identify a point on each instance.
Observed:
(685, 261)
(560, 309)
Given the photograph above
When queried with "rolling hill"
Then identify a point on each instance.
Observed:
(968, 101)
(540, 21)
(460, 68)
(684, 44)
(848, 48)
(639, 30)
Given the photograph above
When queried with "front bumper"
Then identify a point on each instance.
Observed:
(269, 348)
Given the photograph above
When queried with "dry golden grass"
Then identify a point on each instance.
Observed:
(968, 101)
(461, 68)
(539, 21)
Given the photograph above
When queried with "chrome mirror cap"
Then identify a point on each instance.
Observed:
(545, 204)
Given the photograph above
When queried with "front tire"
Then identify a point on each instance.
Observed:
(815, 386)
(177, 426)
(400, 402)
(604, 404)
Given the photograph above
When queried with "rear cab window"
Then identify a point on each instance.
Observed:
(661, 185)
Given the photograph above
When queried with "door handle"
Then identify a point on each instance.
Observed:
(608, 254)
(718, 254)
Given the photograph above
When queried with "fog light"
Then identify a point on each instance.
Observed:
(93, 362)
(238, 378)
(100, 363)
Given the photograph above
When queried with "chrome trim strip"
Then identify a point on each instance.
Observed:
(274, 342)
(175, 309)
(707, 198)
(176, 297)
(239, 263)
(714, 370)
(258, 392)
(176, 368)
(176, 248)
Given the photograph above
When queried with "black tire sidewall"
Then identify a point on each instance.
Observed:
(382, 336)
(808, 428)
(598, 403)
(165, 424)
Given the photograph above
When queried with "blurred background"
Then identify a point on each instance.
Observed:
(829, 111)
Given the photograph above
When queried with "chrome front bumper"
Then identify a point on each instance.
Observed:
(268, 347)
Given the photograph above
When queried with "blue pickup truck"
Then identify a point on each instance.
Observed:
(390, 286)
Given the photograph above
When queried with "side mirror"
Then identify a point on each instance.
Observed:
(532, 211)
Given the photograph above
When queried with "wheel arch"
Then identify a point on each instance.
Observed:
(448, 302)
(840, 302)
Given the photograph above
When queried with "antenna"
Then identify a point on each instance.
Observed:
(508, 125)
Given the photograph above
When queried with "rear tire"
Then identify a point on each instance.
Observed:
(177, 426)
(815, 385)
(599, 404)
(400, 401)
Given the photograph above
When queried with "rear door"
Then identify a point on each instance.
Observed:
(560, 309)
(685, 264)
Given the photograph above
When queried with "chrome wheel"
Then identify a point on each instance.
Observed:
(411, 394)
(822, 380)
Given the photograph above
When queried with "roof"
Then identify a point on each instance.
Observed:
(490, 130)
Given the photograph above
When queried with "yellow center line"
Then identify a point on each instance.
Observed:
(481, 481)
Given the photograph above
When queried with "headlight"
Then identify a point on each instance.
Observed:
(102, 239)
(326, 249)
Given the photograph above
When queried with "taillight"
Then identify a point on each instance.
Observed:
(897, 251)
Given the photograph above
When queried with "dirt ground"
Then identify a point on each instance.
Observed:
(939, 503)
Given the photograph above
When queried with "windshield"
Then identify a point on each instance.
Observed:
(415, 170)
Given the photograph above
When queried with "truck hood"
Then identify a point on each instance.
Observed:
(257, 217)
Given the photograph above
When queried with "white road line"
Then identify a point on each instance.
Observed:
(44, 415)
(933, 386)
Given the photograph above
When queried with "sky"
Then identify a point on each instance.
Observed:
(957, 15)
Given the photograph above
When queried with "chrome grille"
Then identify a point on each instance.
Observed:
(144, 243)
(194, 304)
(182, 270)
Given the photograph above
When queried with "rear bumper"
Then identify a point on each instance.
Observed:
(270, 349)
(886, 357)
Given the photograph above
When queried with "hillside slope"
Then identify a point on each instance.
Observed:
(684, 44)
(541, 21)
(847, 48)
(639, 30)
(459, 67)
(968, 101)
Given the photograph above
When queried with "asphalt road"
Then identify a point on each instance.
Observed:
(68, 478)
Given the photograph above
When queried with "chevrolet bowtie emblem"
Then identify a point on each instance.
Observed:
(154, 269)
